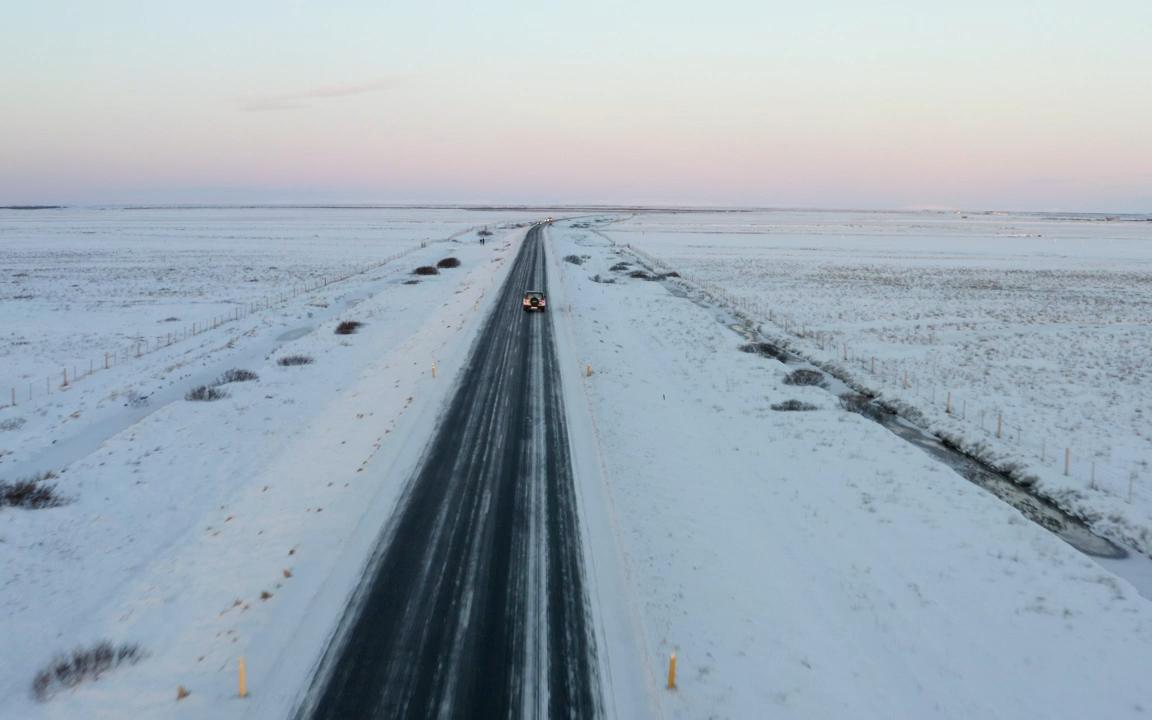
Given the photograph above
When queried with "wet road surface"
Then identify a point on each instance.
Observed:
(475, 605)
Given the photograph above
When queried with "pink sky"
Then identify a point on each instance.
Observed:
(1035, 112)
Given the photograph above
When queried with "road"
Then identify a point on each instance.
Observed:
(476, 605)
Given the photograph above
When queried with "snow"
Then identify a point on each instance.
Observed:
(184, 513)
(800, 564)
(1040, 320)
(812, 564)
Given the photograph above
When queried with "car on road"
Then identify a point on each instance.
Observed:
(534, 301)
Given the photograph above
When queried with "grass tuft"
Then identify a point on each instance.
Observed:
(290, 360)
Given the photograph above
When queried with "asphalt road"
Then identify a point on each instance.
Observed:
(476, 606)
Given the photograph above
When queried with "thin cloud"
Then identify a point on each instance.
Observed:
(300, 100)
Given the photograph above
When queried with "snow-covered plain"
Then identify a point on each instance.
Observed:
(801, 564)
(1039, 324)
(76, 283)
(808, 564)
(184, 514)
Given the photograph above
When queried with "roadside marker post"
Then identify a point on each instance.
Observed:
(243, 673)
(1067, 460)
(672, 671)
(433, 371)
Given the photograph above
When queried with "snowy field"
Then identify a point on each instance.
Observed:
(78, 283)
(803, 564)
(800, 564)
(1033, 330)
(209, 531)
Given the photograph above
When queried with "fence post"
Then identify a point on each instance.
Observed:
(999, 425)
(1067, 460)
(948, 403)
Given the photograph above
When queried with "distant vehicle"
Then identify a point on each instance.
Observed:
(548, 220)
(534, 301)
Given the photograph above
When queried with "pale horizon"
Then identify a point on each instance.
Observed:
(984, 107)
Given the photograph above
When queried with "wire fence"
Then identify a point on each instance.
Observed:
(63, 378)
(949, 404)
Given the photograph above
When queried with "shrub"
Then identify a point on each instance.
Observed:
(32, 493)
(449, 262)
(855, 403)
(793, 405)
(290, 360)
(425, 270)
(236, 375)
(620, 267)
(83, 664)
(485, 233)
(574, 259)
(12, 423)
(348, 327)
(412, 281)
(640, 275)
(206, 393)
(765, 349)
(804, 376)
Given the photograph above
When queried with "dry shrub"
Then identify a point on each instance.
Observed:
(804, 376)
(425, 270)
(206, 393)
(449, 262)
(794, 406)
(236, 375)
(348, 327)
(290, 360)
(33, 493)
(83, 664)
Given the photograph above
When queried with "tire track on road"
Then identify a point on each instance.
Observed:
(479, 577)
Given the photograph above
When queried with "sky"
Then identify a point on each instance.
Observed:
(1013, 104)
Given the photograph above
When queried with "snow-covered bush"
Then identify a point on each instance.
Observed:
(804, 376)
(793, 405)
